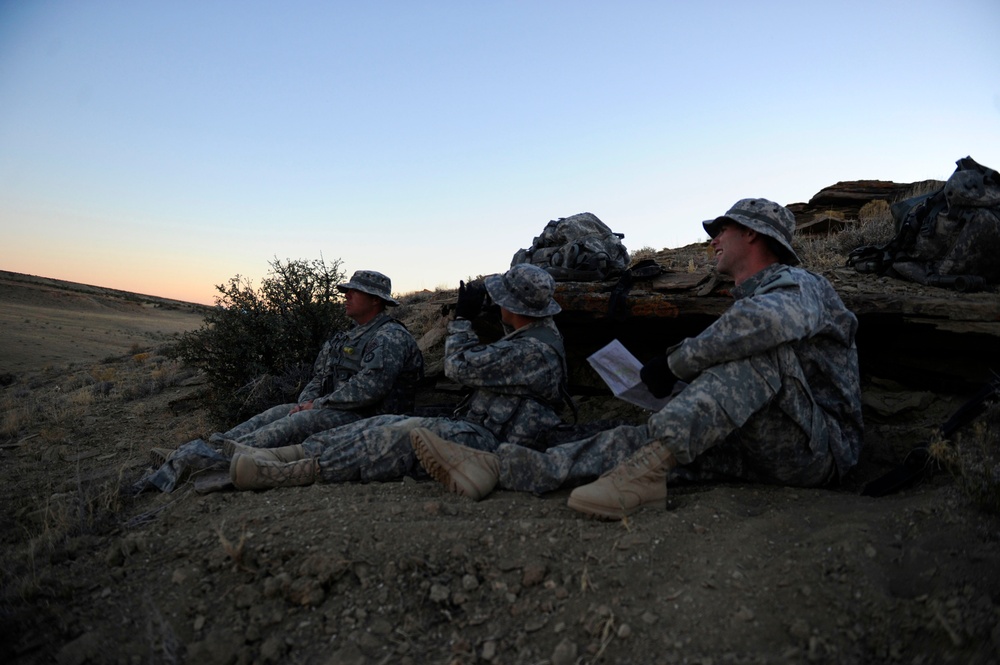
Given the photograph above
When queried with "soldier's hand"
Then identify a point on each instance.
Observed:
(657, 376)
(471, 298)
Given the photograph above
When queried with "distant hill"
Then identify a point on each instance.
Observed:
(98, 290)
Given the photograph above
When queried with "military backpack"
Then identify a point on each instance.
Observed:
(580, 248)
(949, 237)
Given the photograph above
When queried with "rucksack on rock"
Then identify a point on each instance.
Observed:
(949, 238)
(579, 248)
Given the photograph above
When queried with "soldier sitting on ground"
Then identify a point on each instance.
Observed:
(373, 368)
(774, 393)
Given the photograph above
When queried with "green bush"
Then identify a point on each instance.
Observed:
(257, 346)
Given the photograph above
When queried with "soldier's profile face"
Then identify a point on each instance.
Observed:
(360, 306)
(728, 247)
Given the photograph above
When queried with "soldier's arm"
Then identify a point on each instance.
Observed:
(515, 366)
(751, 326)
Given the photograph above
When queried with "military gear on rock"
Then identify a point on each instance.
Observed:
(638, 481)
(250, 473)
(765, 217)
(578, 248)
(657, 376)
(371, 282)
(524, 289)
(618, 300)
(949, 238)
(471, 298)
(462, 470)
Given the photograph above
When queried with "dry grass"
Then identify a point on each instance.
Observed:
(974, 460)
(874, 226)
(642, 254)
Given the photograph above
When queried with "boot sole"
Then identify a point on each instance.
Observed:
(603, 512)
(456, 484)
(597, 511)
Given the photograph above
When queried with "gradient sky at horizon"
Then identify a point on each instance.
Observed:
(163, 148)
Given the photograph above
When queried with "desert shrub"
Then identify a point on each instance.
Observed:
(644, 252)
(257, 346)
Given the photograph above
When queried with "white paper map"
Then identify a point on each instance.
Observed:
(620, 370)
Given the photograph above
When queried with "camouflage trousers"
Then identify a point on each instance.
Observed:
(750, 419)
(379, 448)
(278, 427)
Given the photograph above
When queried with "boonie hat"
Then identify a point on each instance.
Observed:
(525, 289)
(370, 282)
(765, 217)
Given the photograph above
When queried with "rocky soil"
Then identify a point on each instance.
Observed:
(403, 572)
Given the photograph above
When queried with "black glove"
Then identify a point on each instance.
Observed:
(471, 298)
(657, 376)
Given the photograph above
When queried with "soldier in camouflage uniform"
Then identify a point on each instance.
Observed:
(371, 369)
(774, 393)
(517, 382)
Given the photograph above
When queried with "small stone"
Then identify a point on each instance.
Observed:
(624, 631)
(533, 574)
(439, 593)
(564, 653)
(799, 629)
(470, 582)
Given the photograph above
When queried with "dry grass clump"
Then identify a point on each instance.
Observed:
(642, 254)
(19, 409)
(874, 226)
(974, 460)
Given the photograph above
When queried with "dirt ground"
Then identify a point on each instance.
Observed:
(403, 572)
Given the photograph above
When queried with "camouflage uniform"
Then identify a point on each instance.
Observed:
(369, 370)
(517, 382)
(517, 385)
(774, 396)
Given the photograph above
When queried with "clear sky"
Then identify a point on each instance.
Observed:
(165, 147)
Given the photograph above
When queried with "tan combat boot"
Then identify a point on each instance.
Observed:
(462, 470)
(282, 454)
(250, 473)
(638, 481)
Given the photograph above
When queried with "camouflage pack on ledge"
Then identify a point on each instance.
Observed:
(580, 248)
(949, 238)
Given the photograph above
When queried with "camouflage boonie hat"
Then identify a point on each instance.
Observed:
(525, 289)
(370, 282)
(763, 216)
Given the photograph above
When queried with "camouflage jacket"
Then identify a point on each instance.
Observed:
(783, 305)
(372, 369)
(517, 380)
